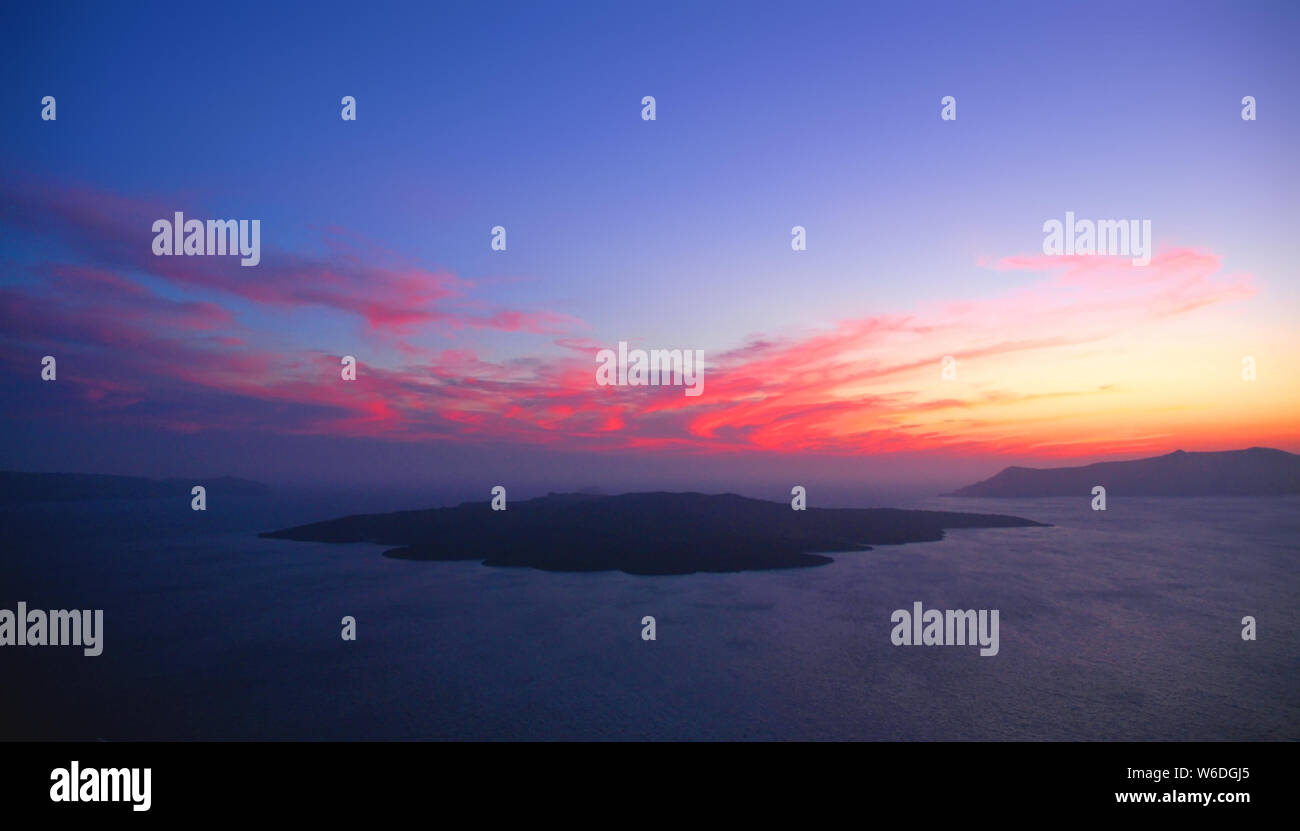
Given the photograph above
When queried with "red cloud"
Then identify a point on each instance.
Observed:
(137, 354)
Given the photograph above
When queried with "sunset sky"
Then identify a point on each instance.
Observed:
(924, 239)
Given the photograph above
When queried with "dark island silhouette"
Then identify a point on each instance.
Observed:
(18, 486)
(640, 533)
(1256, 471)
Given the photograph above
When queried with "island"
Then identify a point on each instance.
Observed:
(641, 533)
(1255, 471)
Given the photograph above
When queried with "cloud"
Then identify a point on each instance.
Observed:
(155, 342)
(392, 296)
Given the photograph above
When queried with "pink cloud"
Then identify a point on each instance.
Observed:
(867, 384)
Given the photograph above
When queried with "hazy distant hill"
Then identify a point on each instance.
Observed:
(59, 487)
(1257, 471)
(640, 533)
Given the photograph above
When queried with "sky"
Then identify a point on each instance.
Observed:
(924, 239)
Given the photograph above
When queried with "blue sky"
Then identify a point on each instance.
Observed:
(674, 232)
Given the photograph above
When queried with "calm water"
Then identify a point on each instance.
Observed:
(1115, 625)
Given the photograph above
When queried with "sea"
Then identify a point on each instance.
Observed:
(1123, 624)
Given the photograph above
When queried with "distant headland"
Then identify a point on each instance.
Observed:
(1256, 471)
(641, 533)
(18, 486)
